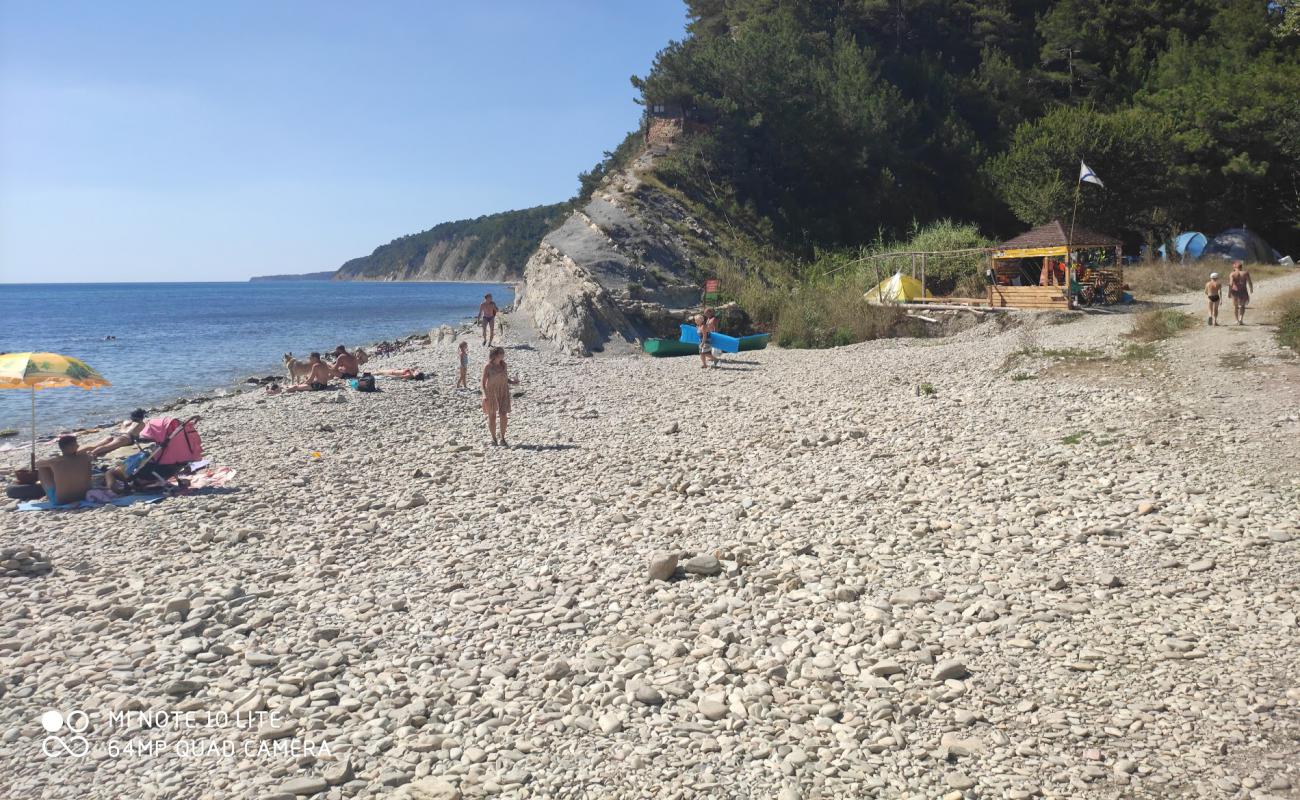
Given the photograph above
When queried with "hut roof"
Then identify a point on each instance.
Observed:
(1054, 234)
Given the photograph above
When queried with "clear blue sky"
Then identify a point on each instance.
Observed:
(214, 141)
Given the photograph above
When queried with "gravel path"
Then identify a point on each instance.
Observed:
(1013, 563)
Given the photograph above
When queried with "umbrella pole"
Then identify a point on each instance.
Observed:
(33, 429)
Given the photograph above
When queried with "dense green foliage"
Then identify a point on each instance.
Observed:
(613, 160)
(829, 122)
(507, 238)
(821, 303)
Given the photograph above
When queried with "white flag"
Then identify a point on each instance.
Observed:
(1086, 175)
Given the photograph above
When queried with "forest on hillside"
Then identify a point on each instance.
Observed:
(507, 239)
(835, 123)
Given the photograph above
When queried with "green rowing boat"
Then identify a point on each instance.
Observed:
(669, 347)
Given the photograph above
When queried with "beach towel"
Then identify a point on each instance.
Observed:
(129, 500)
(211, 477)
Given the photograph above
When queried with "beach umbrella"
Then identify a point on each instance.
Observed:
(34, 371)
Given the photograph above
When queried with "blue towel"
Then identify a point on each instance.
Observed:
(129, 500)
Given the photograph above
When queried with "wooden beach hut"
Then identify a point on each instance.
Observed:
(1036, 269)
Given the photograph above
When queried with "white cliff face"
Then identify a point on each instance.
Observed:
(568, 306)
(614, 272)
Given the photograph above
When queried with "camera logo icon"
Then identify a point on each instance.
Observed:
(74, 745)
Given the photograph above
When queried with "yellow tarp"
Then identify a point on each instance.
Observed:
(898, 288)
(1030, 252)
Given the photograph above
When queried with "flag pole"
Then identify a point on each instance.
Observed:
(1069, 241)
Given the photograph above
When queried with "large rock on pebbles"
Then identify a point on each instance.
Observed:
(949, 669)
(662, 566)
(702, 565)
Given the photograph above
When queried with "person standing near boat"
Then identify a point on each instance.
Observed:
(496, 385)
(702, 333)
(711, 327)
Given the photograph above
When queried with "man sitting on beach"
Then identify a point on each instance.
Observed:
(345, 364)
(66, 477)
(127, 433)
(317, 378)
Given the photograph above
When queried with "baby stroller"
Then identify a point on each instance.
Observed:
(173, 446)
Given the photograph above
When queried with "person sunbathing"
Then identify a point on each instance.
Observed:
(405, 374)
(66, 477)
(127, 433)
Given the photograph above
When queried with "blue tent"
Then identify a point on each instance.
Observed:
(1239, 244)
(1190, 244)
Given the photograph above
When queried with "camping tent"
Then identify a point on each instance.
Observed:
(1190, 244)
(898, 288)
(1239, 244)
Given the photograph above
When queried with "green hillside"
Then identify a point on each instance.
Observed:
(494, 245)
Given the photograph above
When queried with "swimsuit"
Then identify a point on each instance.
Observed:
(316, 386)
(1214, 298)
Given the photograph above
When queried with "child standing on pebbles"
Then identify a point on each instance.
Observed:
(463, 355)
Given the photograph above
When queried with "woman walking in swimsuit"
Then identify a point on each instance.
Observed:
(496, 385)
(1212, 295)
(1239, 287)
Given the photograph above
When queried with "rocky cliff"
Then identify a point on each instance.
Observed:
(617, 270)
(490, 248)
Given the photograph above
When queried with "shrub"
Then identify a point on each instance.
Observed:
(1152, 278)
(1152, 326)
(944, 274)
(1288, 324)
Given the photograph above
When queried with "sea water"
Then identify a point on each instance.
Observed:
(158, 341)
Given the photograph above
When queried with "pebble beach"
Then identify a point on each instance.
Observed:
(1016, 562)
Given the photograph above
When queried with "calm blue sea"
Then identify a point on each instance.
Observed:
(177, 339)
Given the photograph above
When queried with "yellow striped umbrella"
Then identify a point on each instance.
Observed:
(45, 371)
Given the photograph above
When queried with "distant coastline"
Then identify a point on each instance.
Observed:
(327, 275)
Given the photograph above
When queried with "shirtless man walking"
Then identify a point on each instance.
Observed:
(1239, 287)
(487, 316)
(1212, 289)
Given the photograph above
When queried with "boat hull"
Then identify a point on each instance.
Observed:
(661, 348)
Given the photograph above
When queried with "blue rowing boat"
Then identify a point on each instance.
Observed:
(725, 343)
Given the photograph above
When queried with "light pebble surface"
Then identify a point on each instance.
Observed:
(872, 591)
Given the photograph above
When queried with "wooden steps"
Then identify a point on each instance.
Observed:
(1050, 298)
